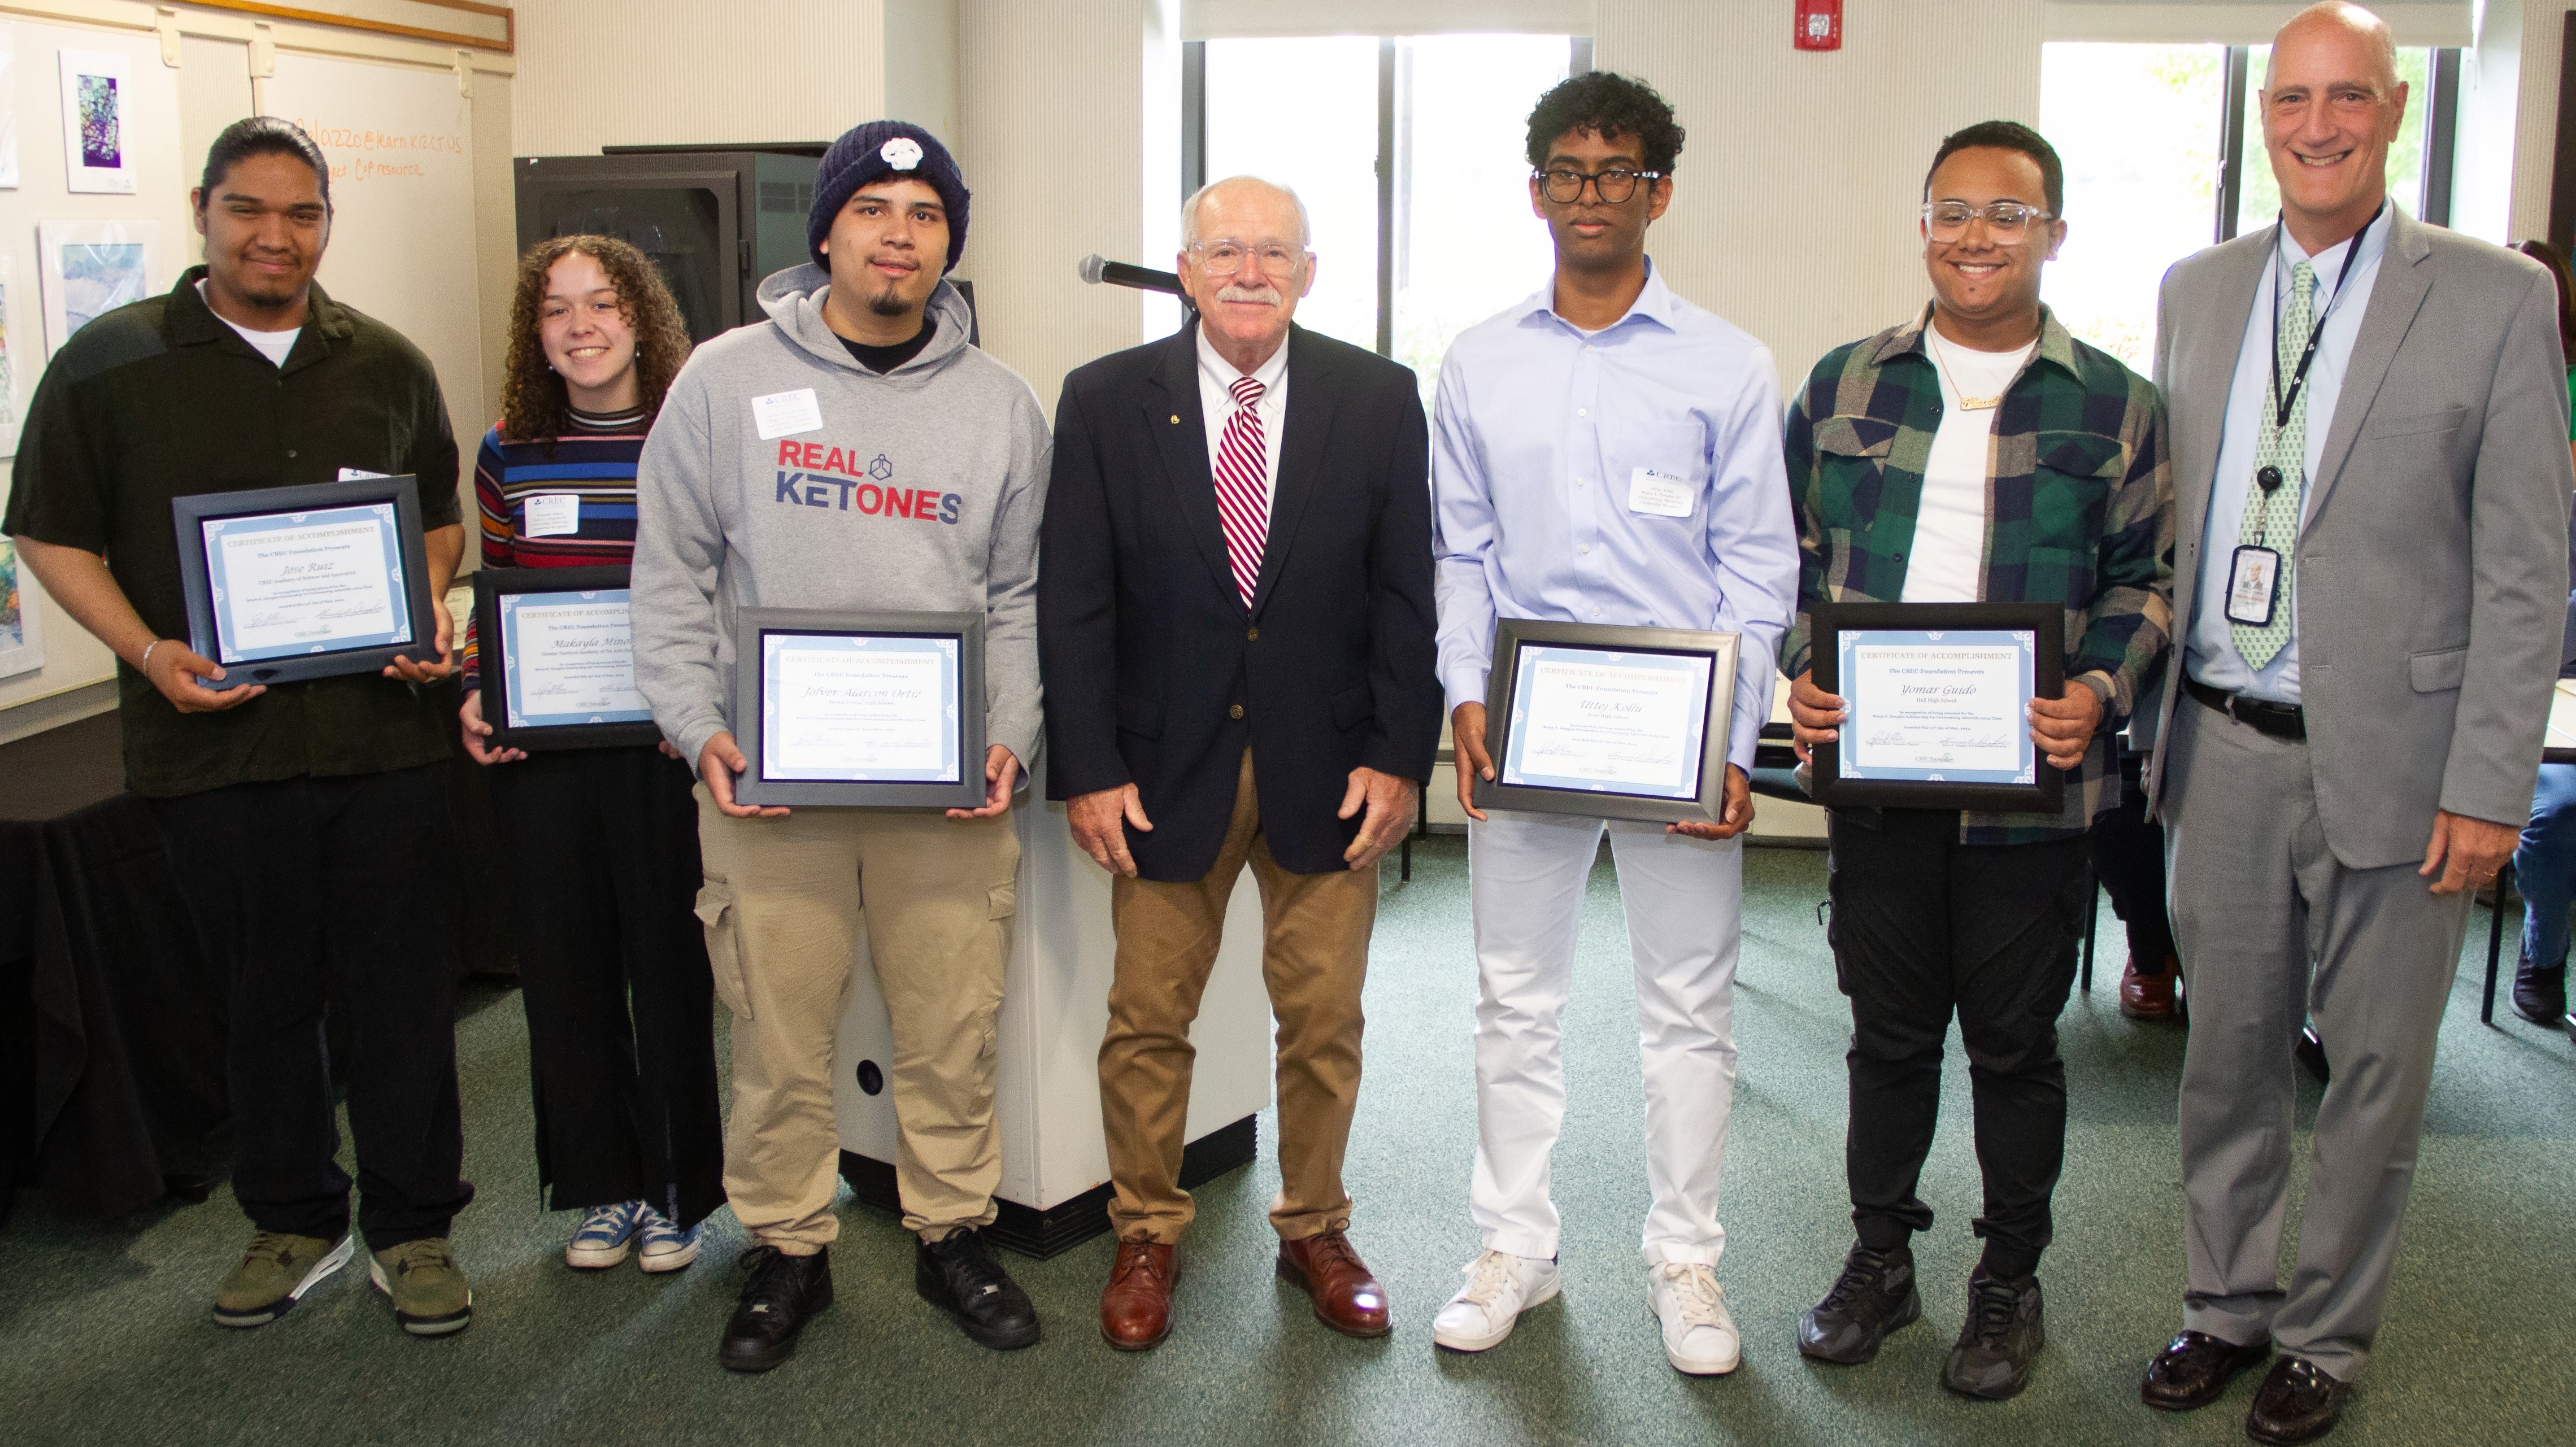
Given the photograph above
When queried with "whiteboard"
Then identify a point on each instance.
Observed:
(400, 140)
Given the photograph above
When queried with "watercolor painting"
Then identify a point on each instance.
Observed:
(22, 643)
(98, 122)
(97, 87)
(92, 268)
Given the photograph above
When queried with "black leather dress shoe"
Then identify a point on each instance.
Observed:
(2194, 1369)
(959, 1276)
(782, 1295)
(1874, 1296)
(2299, 1403)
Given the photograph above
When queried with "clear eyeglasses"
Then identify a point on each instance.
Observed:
(2006, 221)
(1224, 258)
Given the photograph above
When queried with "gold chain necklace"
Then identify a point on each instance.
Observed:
(1932, 344)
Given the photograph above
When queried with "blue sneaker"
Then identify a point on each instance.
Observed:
(666, 1247)
(602, 1239)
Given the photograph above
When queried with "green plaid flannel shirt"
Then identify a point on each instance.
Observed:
(2079, 509)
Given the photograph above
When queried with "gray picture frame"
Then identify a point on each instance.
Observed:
(188, 516)
(750, 688)
(1724, 652)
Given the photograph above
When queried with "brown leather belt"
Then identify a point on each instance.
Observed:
(2280, 720)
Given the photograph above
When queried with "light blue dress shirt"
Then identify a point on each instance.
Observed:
(2209, 653)
(1538, 429)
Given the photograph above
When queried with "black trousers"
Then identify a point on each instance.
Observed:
(2129, 858)
(333, 892)
(603, 854)
(1922, 926)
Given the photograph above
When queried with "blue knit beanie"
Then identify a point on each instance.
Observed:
(872, 152)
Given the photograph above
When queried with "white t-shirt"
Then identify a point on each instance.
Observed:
(272, 345)
(1948, 561)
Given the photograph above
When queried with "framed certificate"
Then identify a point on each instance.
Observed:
(557, 656)
(289, 583)
(864, 708)
(1612, 723)
(1936, 701)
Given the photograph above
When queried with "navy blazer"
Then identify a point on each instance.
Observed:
(1157, 674)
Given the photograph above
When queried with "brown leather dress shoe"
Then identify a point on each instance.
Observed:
(1136, 1307)
(1346, 1297)
(2194, 1369)
(2149, 997)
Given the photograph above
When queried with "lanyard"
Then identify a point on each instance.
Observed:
(2316, 333)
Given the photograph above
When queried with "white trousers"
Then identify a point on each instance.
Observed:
(1684, 898)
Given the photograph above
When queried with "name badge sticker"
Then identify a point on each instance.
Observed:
(359, 474)
(2253, 580)
(1660, 493)
(783, 414)
(552, 515)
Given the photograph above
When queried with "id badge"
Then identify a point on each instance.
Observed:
(2253, 580)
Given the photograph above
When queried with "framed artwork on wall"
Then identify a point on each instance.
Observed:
(90, 268)
(98, 154)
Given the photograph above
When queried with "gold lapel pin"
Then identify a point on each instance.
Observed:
(1176, 419)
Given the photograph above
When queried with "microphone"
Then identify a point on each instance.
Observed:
(1095, 269)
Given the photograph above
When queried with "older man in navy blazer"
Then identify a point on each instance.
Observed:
(1235, 627)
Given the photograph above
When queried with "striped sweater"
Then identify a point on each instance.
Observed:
(594, 463)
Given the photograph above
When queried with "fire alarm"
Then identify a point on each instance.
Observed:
(1820, 25)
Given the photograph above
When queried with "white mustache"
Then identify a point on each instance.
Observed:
(1266, 296)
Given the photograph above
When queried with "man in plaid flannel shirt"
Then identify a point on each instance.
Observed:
(1975, 454)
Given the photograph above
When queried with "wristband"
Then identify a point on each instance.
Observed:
(145, 667)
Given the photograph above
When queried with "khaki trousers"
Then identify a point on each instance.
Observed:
(783, 905)
(1314, 958)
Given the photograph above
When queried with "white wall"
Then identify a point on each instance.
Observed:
(1794, 203)
(668, 72)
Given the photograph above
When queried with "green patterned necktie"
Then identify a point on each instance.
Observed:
(2272, 519)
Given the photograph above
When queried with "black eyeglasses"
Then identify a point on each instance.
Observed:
(1564, 185)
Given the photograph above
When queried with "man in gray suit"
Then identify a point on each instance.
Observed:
(2371, 491)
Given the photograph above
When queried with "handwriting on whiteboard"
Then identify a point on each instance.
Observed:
(361, 153)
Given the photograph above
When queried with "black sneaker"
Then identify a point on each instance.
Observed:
(960, 1277)
(1874, 1296)
(1999, 1340)
(2539, 996)
(782, 1295)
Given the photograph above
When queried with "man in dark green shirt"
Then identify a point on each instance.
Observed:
(306, 822)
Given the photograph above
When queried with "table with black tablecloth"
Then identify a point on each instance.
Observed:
(111, 1021)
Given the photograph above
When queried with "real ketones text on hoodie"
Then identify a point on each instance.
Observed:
(919, 490)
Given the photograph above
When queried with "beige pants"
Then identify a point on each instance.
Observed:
(783, 905)
(1314, 958)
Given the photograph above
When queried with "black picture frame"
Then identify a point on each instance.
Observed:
(1502, 699)
(752, 626)
(189, 516)
(1830, 621)
(491, 585)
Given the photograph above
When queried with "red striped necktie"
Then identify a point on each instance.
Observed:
(1243, 486)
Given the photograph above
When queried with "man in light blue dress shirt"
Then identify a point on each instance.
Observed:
(1605, 452)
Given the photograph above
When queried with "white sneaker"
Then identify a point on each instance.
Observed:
(1500, 1286)
(1699, 1337)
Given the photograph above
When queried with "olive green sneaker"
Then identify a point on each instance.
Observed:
(274, 1274)
(429, 1293)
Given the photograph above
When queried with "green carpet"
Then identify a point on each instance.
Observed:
(104, 1336)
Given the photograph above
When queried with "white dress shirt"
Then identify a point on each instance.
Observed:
(2344, 275)
(1538, 431)
(1216, 403)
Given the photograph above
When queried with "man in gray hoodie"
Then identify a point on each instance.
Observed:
(852, 452)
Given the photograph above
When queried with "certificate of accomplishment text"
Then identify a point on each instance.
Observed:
(306, 582)
(571, 659)
(1935, 707)
(860, 709)
(1610, 722)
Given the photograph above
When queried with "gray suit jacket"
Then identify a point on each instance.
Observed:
(2432, 579)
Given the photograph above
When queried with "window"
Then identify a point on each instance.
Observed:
(2133, 210)
(1408, 153)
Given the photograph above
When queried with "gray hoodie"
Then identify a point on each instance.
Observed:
(921, 489)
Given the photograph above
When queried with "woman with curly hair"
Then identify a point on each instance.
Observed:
(603, 842)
